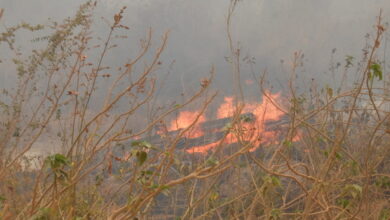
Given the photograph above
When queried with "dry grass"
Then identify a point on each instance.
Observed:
(338, 169)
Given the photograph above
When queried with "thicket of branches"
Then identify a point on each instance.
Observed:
(338, 169)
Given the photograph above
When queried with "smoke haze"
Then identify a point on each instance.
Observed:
(266, 31)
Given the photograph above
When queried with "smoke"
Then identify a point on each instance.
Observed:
(267, 31)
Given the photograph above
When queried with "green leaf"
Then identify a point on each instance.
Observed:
(354, 190)
(146, 172)
(58, 114)
(62, 174)
(43, 214)
(154, 186)
(141, 157)
(357, 188)
(343, 202)
(214, 196)
(247, 118)
(383, 182)
(272, 181)
(61, 159)
(227, 127)
(385, 214)
(354, 167)
(330, 92)
(212, 161)
(339, 156)
(275, 213)
(142, 144)
(275, 181)
(348, 60)
(326, 153)
(376, 71)
(287, 143)
(56, 161)
(165, 190)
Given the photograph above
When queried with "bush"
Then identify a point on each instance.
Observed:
(326, 157)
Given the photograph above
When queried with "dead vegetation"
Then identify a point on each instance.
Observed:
(330, 161)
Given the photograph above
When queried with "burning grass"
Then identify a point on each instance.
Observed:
(318, 155)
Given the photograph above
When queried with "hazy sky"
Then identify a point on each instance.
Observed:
(269, 30)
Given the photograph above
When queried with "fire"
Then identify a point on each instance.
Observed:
(229, 139)
(185, 119)
(264, 110)
(226, 109)
(202, 149)
(254, 131)
(249, 130)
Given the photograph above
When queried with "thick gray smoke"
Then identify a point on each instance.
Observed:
(267, 30)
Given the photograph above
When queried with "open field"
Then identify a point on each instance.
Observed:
(83, 139)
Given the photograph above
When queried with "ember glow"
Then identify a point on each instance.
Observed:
(249, 130)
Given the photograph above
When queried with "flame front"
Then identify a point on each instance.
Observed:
(251, 131)
(185, 119)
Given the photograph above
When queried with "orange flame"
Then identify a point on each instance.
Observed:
(202, 149)
(251, 131)
(226, 109)
(185, 119)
